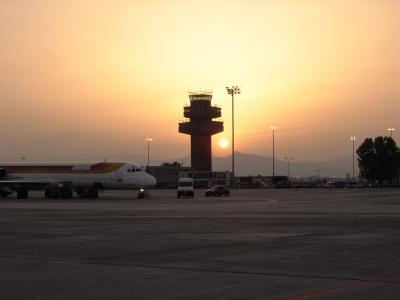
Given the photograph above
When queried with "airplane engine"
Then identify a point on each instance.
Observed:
(4, 191)
(3, 174)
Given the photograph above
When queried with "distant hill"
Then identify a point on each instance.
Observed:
(250, 164)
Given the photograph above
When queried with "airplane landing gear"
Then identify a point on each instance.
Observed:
(63, 191)
(4, 193)
(52, 193)
(22, 194)
(88, 192)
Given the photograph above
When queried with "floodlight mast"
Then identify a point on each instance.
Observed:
(353, 138)
(391, 129)
(288, 165)
(148, 140)
(232, 91)
(273, 128)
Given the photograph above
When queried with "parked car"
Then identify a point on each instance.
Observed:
(217, 190)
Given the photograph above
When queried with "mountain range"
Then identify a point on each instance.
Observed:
(250, 164)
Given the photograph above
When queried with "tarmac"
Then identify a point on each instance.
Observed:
(255, 244)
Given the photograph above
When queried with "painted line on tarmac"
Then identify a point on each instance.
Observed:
(314, 293)
(387, 278)
(256, 198)
(352, 280)
(340, 287)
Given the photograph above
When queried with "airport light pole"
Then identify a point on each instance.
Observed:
(391, 129)
(273, 128)
(232, 91)
(288, 165)
(353, 138)
(148, 140)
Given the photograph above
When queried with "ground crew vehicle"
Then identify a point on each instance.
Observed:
(185, 187)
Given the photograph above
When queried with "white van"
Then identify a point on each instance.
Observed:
(185, 187)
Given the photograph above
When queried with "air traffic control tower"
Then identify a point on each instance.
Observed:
(201, 127)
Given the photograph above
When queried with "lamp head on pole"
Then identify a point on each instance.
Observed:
(233, 90)
(391, 129)
(353, 138)
(148, 139)
(272, 127)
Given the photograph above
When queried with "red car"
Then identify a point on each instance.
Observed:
(217, 190)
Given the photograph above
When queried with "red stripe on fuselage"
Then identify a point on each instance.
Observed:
(59, 169)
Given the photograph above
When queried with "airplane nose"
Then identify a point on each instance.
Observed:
(149, 180)
(153, 181)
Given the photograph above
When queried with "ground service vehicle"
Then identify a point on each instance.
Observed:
(60, 180)
(217, 190)
(185, 187)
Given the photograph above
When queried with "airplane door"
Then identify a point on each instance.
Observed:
(119, 176)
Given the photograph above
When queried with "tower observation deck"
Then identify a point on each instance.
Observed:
(201, 127)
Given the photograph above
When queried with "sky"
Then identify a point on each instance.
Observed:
(98, 77)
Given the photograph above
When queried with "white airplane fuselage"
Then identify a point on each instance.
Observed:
(104, 175)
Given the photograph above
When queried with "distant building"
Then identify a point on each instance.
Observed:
(261, 181)
(167, 176)
(206, 179)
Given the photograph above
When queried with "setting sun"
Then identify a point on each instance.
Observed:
(223, 143)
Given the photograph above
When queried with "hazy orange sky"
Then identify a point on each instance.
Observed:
(98, 77)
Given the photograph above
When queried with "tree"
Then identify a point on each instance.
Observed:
(173, 164)
(379, 159)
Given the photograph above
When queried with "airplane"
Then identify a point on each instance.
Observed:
(60, 180)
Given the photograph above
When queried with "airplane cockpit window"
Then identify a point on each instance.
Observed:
(133, 168)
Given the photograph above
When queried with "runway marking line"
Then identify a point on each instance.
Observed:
(313, 293)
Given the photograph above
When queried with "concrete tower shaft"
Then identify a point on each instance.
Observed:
(201, 127)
